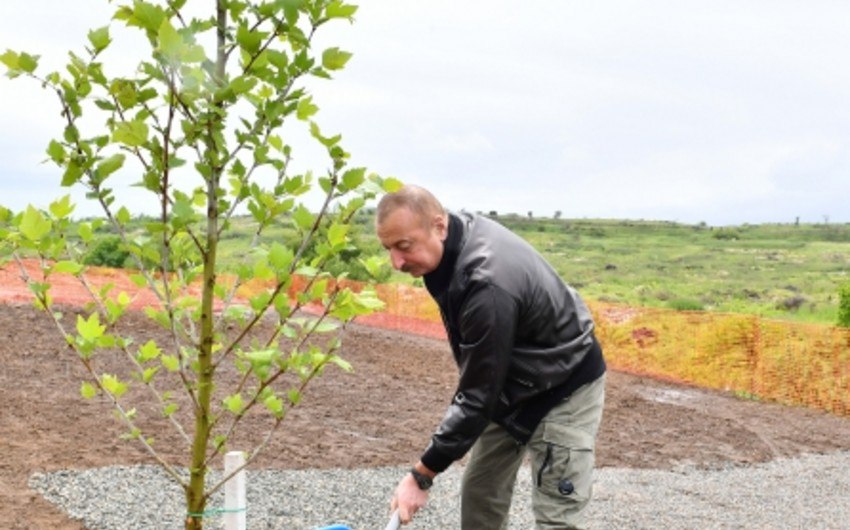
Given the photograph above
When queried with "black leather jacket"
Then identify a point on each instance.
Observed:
(522, 338)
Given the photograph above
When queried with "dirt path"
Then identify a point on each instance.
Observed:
(380, 415)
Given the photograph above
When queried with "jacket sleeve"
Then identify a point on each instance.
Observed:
(486, 324)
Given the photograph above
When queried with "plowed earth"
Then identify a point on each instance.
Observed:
(382, 414)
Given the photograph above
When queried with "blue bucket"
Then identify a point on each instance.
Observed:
(334, 527)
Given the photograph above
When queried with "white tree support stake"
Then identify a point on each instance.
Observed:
(234, 492)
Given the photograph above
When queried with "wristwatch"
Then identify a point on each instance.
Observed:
(423, 481)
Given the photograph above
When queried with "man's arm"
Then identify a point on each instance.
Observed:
(487, 326)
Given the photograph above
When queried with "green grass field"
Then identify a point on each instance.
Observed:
(783, 271)
(778, 271)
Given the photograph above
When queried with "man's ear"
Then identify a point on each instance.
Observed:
(441, 225)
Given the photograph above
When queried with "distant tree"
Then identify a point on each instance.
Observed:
(557, 214)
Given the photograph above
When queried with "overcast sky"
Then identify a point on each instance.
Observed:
(725, 112)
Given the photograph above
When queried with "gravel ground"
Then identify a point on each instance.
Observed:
(809, 492)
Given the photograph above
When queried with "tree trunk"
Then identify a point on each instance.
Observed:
(195, 495)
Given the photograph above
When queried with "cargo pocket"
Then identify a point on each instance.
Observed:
(563, 467)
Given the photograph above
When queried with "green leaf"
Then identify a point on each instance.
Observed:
(133, 434)
(368, 301)
(353, 178)
(131, 133)
(85, 232)
(67, 267)
(248, 40)
(170, 362)
(138, 280)
(123, 216)
(56, 151)
(260, 301)
(72, 174)
(342, 363)
(337, 234)
(375, 265)
(110, 165)
(149, 373)
(262, 271)
(88, 390)
(243, 84)
(303, 218)
(234, 403)
(183, 211)
(169, 409)
(125, 92)
(123, 299)
(306, 108)
(169, 42)
(34, 225)
(392, 185)
(113, 385)
(335, 59)
(10, 59)
(337, 9)
(262, 357)
(143, 15)
(99, 38)
(319, 289)
(275, 405)
(90, 329)
(28, 63)
(280, 256)
(62, 208)
(325, 326)
(327, 141)
(148, 352)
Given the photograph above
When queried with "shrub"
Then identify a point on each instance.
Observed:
(108, 252)
(844, 305)
(792, 304)
(685, 304)
(727, 234)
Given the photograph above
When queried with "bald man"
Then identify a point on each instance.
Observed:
(531, 372)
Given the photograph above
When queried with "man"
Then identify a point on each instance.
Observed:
(531, 373)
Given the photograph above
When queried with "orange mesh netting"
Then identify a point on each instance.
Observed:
(786, 362)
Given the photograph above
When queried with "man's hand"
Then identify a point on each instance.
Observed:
(408, 499)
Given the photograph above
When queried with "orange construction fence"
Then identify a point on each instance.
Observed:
(784, 362)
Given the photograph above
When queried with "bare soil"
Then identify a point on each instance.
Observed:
(382, 414)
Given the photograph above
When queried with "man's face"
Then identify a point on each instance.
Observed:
(415, 245)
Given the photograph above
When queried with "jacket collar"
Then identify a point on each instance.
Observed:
(437, 281)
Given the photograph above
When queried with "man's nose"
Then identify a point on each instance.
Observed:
(396, 259)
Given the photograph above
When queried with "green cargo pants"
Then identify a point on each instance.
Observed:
(561, 455)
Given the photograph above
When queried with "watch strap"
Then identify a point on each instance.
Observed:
(423, 481)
